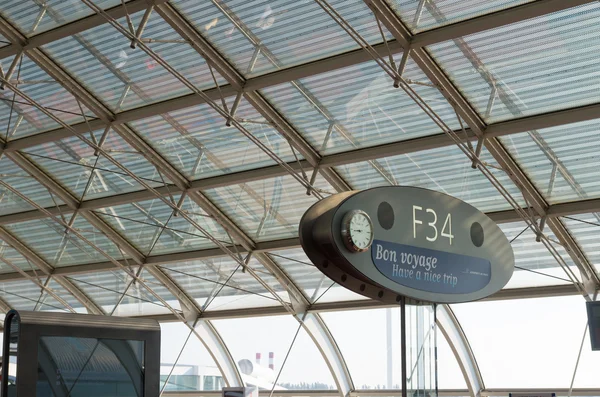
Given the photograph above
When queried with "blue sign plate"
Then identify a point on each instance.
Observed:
(430, 270)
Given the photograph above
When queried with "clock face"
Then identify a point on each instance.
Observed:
(357, 231)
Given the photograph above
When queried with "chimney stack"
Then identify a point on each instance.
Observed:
(271, 357)
(258, 358)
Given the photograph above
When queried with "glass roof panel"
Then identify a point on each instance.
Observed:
(357, 107)
(48, 239)
(297, 363)
(220, 284)
(25, 119)
(197, 142)
(561, 161)
(151, 282)
(66, 296)
(425, 15)
(9, 258)
(21, 181)
(3, 41)
(317, 287)
(107, 288)
(26, 295)
(536, 66)
(181, 235)
(585, 229)
(287, 32)
(445, 170)
(124, 78)
(549, 329)
(142, 223)
(534, 264)
(71, 162)
(269, 209)
(34, 17)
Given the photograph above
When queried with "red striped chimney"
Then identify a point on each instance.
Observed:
(258, 358)
(271, 358)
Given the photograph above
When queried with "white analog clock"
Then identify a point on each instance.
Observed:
(357, 231)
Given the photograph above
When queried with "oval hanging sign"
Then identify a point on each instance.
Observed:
(396, 241)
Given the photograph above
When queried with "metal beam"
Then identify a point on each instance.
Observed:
(516, 293)
(494, 20)
(47, 270)
(366, 304)
(91, 306)
(163, 166)
(519, 13)
(398, 392)
(464, 109)
(191, 309)
(515, 126)
(363, 154)
(393, 23)
(325, 342)
(218, 350)
(463, 28)
(544, 120)
(237, 81)
(4, 307)
(78, 26)
(155, 260)
(459, 344)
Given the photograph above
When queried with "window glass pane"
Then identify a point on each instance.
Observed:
(124, 78)
(446, 170)
(3, 41)
(49, 240)
(71, 161)
(531, 67)
(506, 335)
(288, 32)
(111, 288)
(89, 367)
(26, 295)
(316, 286)
(151, 227)
(34, 17)
(194, 370)
(358, 106)
(11, 259)
(269, 209)
(304, 367)
(561, 161)
(534, 264)
(21, 118)
(221, 283)
(199, 144)
(585, 228)
(24, 183)
(430, 14)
